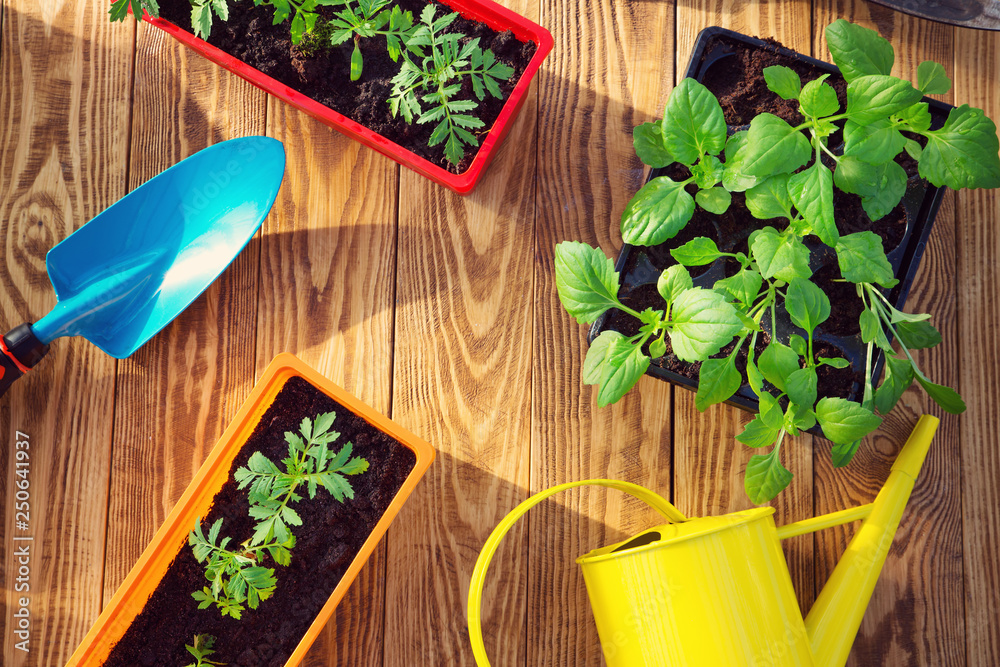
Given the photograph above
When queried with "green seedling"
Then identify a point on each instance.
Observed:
(201, 649)
(236, 576)
(369, 18)
(119, 9)
(788, 173)
(434, 65)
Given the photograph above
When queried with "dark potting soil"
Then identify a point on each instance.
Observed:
(325, 75)
(331, 535)
(738, 81)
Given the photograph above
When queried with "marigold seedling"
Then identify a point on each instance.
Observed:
(236, 576)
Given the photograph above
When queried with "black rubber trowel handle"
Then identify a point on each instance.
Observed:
(20, 350)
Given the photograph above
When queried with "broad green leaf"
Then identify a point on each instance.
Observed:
(780, 256)
(769, 198)
(932, 79)
(648, 142)
(946, 397)
(657, 212)
(881, 186)
(917, 335)
(783, 81)
(702, 323)
(811, 192)
(718, 379)
(624, 363)
(714, 200)
(773, 147)
(899, 316)
(693, 124)
(913, 149)
(857, 50)
(733, 178)
(697, 252)
(744, 286)
(673, 282)
(586, 281)
(770, 412)
(707, 173)
(877, 96)
(870, 327)
(593, 363)
(844, 421)
(862, 259)
(657, 348)
(777, 362)
(801, 386)
(357, 60)
(765, 477)
(807, 305)
(755, 378)
(758, 434)
(891, 178)
(818, 98)
(877, 143)
(798, 345)
(963, 153)
(898, 376)
(841, 454)
(835, 362)
(802, 417)
(916, 116)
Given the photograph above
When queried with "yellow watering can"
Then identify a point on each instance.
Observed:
(715, 591)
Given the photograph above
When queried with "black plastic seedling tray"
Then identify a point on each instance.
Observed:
(921, 203)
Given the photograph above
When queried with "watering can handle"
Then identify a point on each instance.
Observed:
(654, 500)
(20, 349)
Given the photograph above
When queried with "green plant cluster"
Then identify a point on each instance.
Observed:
(237, 576)
(789, 173)
(434, 63)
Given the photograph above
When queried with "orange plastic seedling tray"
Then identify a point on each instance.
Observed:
(142, 580)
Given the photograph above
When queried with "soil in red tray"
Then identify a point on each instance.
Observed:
(325, 76)
(331, 535)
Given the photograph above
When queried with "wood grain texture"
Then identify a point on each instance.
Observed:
(462, 381)
(176, 394)
(709, 463)
(916, 615)
(976, 72)
(326, 295)
(610, 71)
(65, 88)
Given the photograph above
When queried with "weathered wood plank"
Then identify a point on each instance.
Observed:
(462, 381)
(326, 295)
(611, 68)
(976, 73)
(63, 152)
(915, 616)
(176, 394)
(709, 463)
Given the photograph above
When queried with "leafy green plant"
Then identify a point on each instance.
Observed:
(368, 19)
(236, 576)
(787, 173)
(201, 649)
(433, 67)
(119, 9)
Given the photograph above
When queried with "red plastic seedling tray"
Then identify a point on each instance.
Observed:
(496, 17)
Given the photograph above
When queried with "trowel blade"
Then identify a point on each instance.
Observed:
(982, 14)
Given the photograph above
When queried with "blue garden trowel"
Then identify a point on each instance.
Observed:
(131, 270)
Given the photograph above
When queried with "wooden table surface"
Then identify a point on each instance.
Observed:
(441, 311)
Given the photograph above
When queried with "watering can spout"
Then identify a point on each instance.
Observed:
(834, 619)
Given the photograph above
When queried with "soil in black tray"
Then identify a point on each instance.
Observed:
(325, 76)
(331, 535)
